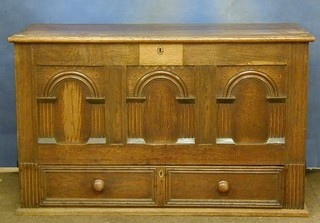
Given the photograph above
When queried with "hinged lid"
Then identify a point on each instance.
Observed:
(119, 33)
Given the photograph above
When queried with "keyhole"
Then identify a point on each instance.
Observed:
(161, 173)
(160, 50)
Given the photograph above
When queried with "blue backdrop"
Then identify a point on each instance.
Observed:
(17, 14)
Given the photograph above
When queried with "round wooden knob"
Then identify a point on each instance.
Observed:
(98, 185)
(223, 186)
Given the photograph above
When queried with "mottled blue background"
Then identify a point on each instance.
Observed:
(17, 14)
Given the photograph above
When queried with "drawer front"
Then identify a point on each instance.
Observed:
(225, 187)
(97, 186)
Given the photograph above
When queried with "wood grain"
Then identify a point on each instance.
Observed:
(205, 106)
(160, 121)
(235, 54)
(240, 212)
(161, 54)
(265, 154)
(296, 128)
(72, 114)
(26, 131)
(162, 115)
(250, 113)
(116, 119)
(30, 192)
(295, 186)
(190, 186)
(163, 33)
(74, 186)
(96, 54)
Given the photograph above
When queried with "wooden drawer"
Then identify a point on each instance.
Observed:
(225, 186)
(98, 186)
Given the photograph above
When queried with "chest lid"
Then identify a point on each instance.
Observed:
(169, 33)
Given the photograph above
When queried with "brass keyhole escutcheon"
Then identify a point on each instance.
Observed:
(161, 173)
(160, 50)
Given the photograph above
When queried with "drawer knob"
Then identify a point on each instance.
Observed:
(98, 185)
(223, 186)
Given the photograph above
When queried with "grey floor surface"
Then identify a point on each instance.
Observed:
(9, 199)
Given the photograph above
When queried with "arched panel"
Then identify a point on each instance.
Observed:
(160, 75)
(70, 75)
(246, 112)
(72, 115)
(262, 77)
(250, 114)
(70, 111)
(161, 112)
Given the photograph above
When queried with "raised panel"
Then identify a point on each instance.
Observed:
(251, 104)
(250, 112)
(161, 112)
(71, 108)
(160, 105)
(72, 116)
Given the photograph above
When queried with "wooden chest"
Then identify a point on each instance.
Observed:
(164, 119)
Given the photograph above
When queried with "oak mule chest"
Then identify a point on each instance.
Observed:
(162, 119)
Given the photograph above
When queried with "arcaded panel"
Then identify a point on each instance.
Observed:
(71, 105)
(49, 75)
(72, 115)
(249, 113)
(276, 75)
(160, 104)
(185, 73)
(251, 104)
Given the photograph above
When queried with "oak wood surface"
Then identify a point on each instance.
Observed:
(77, 186)
(222, 154)
(247, 186)
(240, 212)
(161, 115)
(164, 33)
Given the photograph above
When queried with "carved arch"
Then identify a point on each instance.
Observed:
(60, 77)
(264, 78)
(52, 129)
(156, 75)
(267, 123)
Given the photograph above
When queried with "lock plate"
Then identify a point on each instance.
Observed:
(161, 54)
